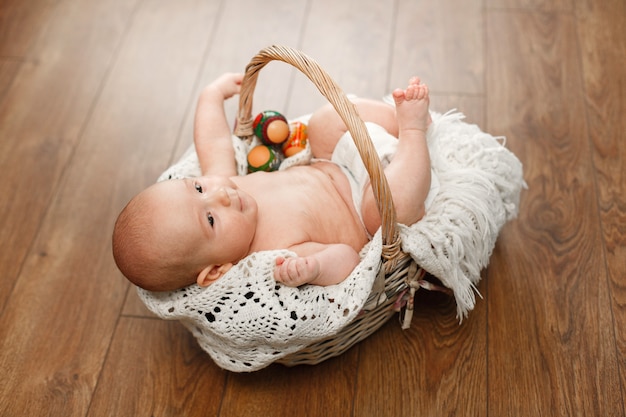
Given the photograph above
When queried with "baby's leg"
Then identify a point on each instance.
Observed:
(325, 126)
(408, 173)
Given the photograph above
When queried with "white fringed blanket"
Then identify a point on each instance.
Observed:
(245, 321)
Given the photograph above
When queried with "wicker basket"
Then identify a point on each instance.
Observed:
(398, 274)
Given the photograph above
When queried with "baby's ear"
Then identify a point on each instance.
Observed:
(212, 273)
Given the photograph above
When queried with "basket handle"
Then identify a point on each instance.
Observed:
(348, 113)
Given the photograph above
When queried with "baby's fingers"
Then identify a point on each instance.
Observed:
(289, 269)
(281, 271)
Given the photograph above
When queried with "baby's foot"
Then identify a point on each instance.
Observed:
(412, 106)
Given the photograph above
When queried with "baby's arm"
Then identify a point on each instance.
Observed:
(316, 264)
(212, 136)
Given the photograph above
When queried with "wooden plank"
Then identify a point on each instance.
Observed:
(437, 367)
(270, 22)
(21, 25)
(8, 70)
(551, 344)
(42, 114)
(537, 5)
(602, 35)
(442, 43)
(155, 368)
(350, 40)
(322, 390)
(56, 328)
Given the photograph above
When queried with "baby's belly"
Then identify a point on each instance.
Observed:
(339, 211)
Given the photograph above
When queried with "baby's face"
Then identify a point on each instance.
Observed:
(210, 217)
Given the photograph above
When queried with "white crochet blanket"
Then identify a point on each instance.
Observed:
(245, 321)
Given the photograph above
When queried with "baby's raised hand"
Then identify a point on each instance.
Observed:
(227, 84)
(296, 271)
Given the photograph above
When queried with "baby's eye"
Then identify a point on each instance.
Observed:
(210, 218)
(198, 188)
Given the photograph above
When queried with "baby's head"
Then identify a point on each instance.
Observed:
(179, 232)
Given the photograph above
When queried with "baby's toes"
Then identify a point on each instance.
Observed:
(412, 92)
(415, 80)
(420, 93)
(398, 96)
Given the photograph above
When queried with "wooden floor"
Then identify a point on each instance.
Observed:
(97, 98)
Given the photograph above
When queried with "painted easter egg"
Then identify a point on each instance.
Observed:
(263, 158)
(271, 127)
(297, 139)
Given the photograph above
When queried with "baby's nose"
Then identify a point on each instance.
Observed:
(222, 196)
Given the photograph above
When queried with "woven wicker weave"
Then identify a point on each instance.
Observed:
(397, 273)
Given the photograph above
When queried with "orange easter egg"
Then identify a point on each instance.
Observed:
(271, 127)
(277, 131)
(262, 158)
